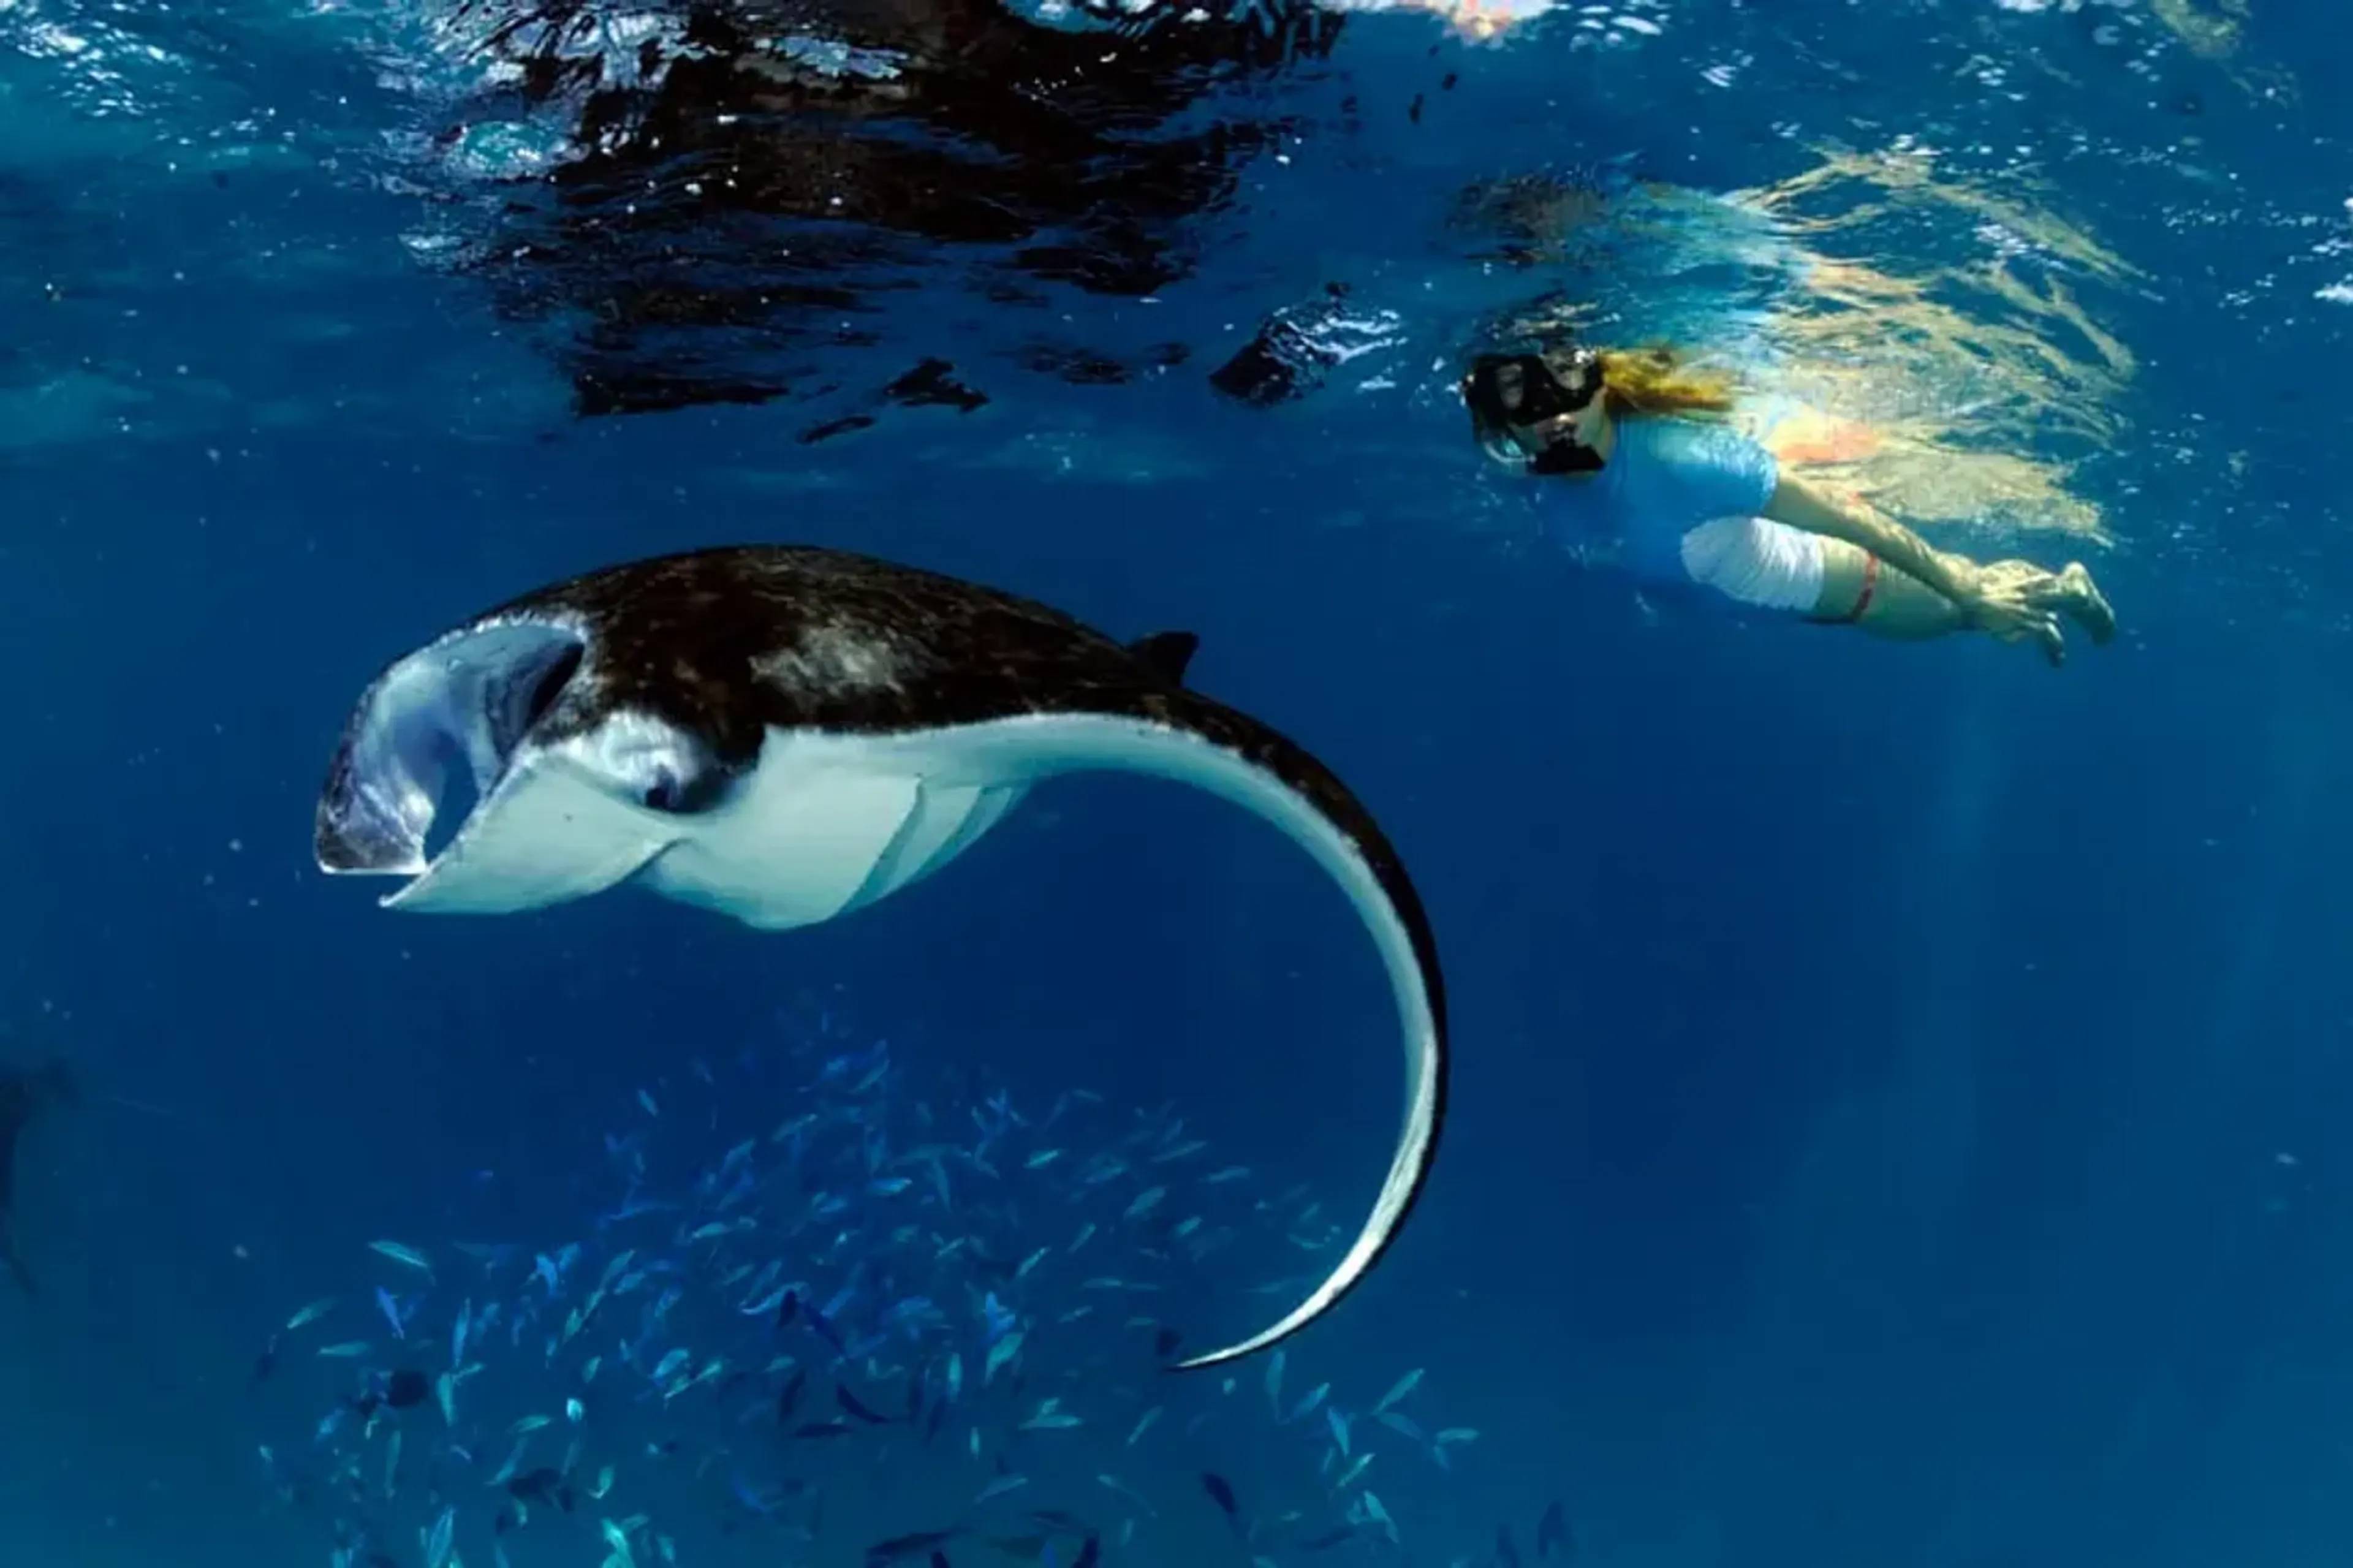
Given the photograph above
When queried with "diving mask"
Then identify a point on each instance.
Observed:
(1509, 394)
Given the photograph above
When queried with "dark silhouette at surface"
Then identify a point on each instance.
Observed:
(754, 184)
(26, 1095)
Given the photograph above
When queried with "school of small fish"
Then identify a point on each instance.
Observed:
(896, 1290)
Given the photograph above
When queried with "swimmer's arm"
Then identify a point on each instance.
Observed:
(1802, 505)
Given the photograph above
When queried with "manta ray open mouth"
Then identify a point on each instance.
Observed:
(467, 701)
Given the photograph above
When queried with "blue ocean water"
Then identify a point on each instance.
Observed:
(1894, 1116)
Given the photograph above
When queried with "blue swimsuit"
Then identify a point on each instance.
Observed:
(1681, 498)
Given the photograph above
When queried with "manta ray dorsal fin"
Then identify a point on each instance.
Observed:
(1167, 653)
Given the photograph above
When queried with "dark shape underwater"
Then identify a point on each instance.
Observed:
(1296, 349)
(26, 1095)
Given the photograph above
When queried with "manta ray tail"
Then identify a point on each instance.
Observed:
(1318, 811)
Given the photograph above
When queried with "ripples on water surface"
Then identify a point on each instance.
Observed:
(885, 217)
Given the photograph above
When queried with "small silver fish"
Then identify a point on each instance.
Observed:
(999, 1354)
(1339, 1424)
(506, 1472)
(999, 1487)
(436, 1542)
(401, 1253)
(1129, 1492)
(311, 1314)
(1398, 1390)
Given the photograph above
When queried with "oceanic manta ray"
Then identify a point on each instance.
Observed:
(785, 734)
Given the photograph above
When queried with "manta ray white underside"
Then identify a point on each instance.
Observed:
(824, 824)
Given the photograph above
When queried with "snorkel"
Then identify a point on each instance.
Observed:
(1509, 394)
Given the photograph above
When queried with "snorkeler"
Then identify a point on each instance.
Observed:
(24, 1094)
(1639, 453)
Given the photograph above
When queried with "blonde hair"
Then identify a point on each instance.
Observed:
(1658, 381)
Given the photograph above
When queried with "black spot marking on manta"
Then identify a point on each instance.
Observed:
(731, 202)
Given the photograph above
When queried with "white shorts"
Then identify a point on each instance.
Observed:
(1758, 561)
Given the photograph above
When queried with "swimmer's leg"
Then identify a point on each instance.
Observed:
(1860, 590)
(1905, 610)
(1756, 560)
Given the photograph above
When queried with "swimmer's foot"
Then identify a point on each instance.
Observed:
(2083, 603)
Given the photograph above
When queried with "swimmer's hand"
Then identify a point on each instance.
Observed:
(2012, 601)
(2006, 616)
